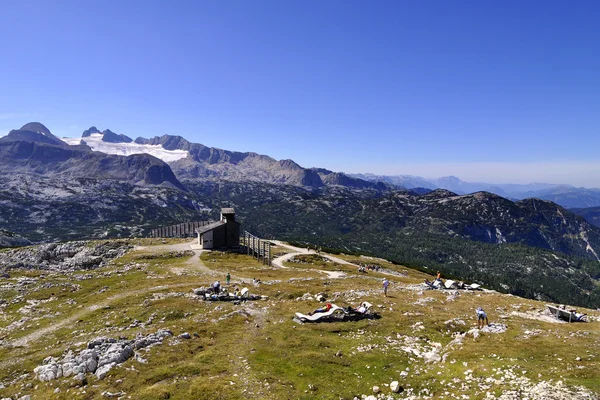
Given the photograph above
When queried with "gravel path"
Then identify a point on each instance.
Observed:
(194, 262)
(278, 262)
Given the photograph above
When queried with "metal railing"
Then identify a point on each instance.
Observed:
(257, 247)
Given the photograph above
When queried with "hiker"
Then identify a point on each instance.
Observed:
(481, 316)
(323, 309)
(217, 287)
(438, 276)
(579, 316)
(386, 283)
(228, 278)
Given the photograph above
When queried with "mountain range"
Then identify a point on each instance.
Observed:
(33, 149)
(105, 184)
(566, 195)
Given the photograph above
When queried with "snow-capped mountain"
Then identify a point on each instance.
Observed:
(97, 142)
(194, 161)
(34, 150)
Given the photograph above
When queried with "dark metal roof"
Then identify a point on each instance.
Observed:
(210, 227)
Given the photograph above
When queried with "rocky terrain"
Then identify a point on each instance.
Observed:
(63, 257)
(10, 239)
(209, 163)
(50, 208)
(133, 328)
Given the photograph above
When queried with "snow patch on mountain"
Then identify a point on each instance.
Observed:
(126, 149)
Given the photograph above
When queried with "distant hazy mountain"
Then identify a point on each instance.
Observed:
(564, 195)
(569, 197)
(591, 214)
(403, 181)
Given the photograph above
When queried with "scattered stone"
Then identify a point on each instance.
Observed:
(494, 328)
(432, 357)
(185, 335)
(64, 257)
(111, 395)
(376, 389)
(395, 387)
(101, 355)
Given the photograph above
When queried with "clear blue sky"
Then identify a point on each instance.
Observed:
(475, 88)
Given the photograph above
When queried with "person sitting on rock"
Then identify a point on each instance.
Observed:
(579, 316)
(362, 308)
(323, 309)
(481, 316)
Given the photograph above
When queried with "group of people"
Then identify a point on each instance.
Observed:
(362, 309)
(216, 287)
(368, 267)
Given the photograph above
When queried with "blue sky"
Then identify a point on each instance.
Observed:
(504, 91)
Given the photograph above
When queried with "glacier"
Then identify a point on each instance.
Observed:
(126, 149)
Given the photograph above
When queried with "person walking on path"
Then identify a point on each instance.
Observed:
(386, 283)
(228, 278)
(481, 316)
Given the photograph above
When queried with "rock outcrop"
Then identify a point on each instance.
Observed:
(64, 257)
(102, 354)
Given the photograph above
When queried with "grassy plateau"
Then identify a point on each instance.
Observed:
(255, 350)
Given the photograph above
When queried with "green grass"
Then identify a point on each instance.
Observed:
(262, 354)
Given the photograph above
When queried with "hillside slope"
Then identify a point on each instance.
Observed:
(55, 208)
(591, 214)
(479, 237)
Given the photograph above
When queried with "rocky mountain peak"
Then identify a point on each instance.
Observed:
(90, 132)
(32, 132)
(112, 137)
(289, 164)
(37, 127)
